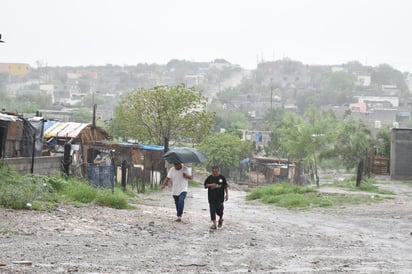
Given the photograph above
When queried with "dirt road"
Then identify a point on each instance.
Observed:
(374, 238)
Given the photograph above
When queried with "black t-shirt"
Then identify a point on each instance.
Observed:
(217, 194)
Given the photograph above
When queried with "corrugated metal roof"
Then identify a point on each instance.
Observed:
(6, 117)
(65, 129)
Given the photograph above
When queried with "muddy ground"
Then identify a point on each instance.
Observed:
(375, 238)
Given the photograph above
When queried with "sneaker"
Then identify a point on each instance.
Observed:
(220, 223)
(213, 226)
(179, 219)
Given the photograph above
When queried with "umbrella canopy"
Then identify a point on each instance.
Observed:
(184, 155)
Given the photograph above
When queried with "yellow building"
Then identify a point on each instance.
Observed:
(15, 68)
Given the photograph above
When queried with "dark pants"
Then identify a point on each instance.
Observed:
(180, 203)
(216, 208)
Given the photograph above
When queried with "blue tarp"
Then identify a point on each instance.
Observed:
(152, 147)
(245, 161)
(143, 146)
(47, 124)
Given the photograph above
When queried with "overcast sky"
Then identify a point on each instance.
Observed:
(128, 32)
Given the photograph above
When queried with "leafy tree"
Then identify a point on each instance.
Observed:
(6, 101)
(320, 128)
(384, 74)
(305, 138)
(353, 139)
(383, 142)
(224, 150)
(337, 89)
(30, 102)
(233, 121)
(162, 113)
(272, 121)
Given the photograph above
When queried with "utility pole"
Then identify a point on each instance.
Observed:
(271, 96)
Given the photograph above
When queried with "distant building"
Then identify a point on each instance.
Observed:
(390, 90)
(358, 107)
(379, 102)
(220, 64)
(363, 81)
(15, 68)
(261, 138)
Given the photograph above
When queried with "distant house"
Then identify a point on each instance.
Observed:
(363, 80)
(390, 90)
(358, 107)
(261, 138)
(379, 102)
(220, 64)
(15, 68)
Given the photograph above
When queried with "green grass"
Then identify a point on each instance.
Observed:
(292, 196)
(118, 199)
(37, 192)
(367, 185)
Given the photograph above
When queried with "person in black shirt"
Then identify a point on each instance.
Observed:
(217, 193)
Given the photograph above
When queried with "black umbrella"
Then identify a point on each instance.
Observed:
(184, 155)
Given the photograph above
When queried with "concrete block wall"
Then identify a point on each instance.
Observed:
(45, 165)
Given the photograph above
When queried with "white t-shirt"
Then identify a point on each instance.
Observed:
(180, 184)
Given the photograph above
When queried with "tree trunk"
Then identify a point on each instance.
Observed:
(316, 170)
(297, 178)
(164, 169)
(359, 173)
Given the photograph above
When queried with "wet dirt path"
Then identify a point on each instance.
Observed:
(374, 238)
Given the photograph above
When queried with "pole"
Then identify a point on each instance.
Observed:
(66, 158)
(271, 97)
(124, 168)
(32, 153)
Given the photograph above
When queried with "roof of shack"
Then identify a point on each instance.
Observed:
(65, 129)
(7, 117)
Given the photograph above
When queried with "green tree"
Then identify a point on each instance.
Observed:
(337, 89)
(383, 142)
(224, 150)
(384, 74)
(353, 140)
(305, 138)
(163, 113)
(232, 121)
(272, 121)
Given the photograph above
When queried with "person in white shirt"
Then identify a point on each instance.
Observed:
(179, 175)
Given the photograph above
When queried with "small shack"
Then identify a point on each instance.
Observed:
(143, 162)
(80, 137)
(19, 136)
(272, 169)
